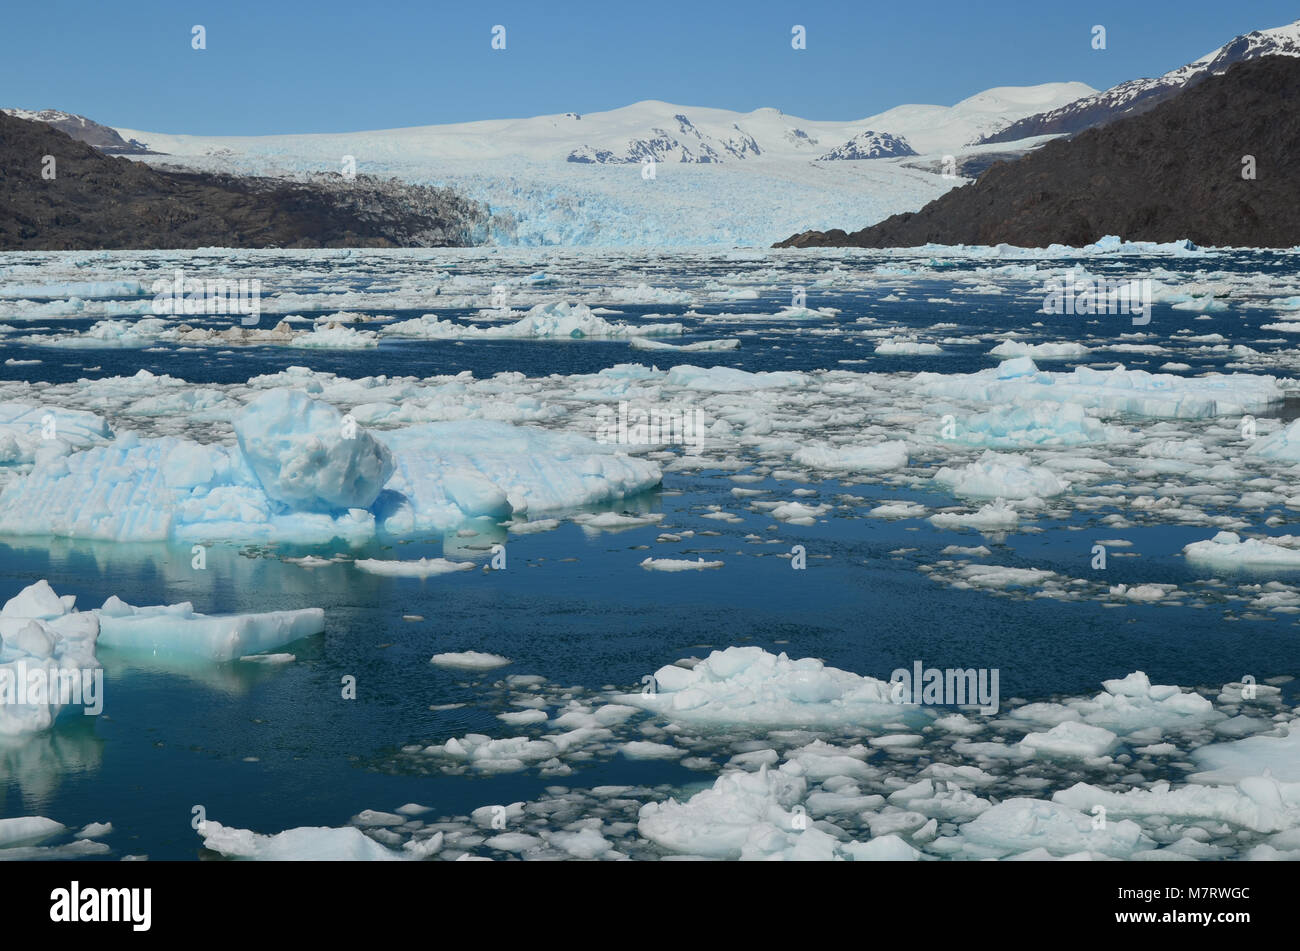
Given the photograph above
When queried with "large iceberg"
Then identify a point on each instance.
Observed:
(304, 472)
(47, 659)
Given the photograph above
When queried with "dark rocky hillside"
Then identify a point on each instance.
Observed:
(1174, 172)
(98, 202)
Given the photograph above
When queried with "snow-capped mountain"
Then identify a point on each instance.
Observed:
(869, 145)
(722, 177)
(685, 143)
(82, 129)
(652, 129)
(1139, 95)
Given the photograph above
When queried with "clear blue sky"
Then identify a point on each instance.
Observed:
(342, 65)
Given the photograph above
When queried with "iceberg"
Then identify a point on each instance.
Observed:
(304, 472)
(308, 456)
(1227, 551)
(998, 475)
(552, 320)
(1136, 392)
(177, 630)
(45, 641)
(749, 686)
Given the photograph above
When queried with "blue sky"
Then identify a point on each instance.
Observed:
(343, 65)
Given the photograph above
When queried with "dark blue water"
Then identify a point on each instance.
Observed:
(274, 747)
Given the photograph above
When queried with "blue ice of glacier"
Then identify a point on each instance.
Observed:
(303, 472)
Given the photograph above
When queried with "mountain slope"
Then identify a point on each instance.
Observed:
(520, 168)
(82, 129)
(1140, 95)
(1174, 172)
(98, 202)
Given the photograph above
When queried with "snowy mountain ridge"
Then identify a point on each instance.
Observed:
(82, 129)
(660, 130)
(1139, 95)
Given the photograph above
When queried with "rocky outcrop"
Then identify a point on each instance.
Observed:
(1178, 171)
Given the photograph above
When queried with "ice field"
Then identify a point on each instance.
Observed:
(422, 564)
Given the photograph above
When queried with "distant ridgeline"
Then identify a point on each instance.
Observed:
(57, 193)
(1216, 164)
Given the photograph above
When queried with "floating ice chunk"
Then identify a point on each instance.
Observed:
(1026, 426)
(28, 432)
(647, 343)
(423, 568)
(470, 660)
(1040, 351)
(1227, 551)
(616, 521)
(514, 842)
(501, 469)
(303, 844)
(678, 564)
(1114, 391)
(797, 513)
(1021, 825)
(1001, 576)
(998, 475)
(883, 848)
(95, 830)
(1282, 446)
(1260, 804)
(27, 830)
(879, 458)
(44, 641)
(177, 630)
(126, 334)
(585, 843)
(1278, 756)
(1143, 592)
(643, 749)
(1071, 740)
(306, 455)
(730, 380)
(334, 336)
(555, 319)
(1134, 703)
(906, 346)
(741, 812)
(309, 459)
(747, 685)
(898, 510)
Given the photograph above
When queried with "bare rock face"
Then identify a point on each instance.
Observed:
(1214, 165)
(102, 137)
(60, 194)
